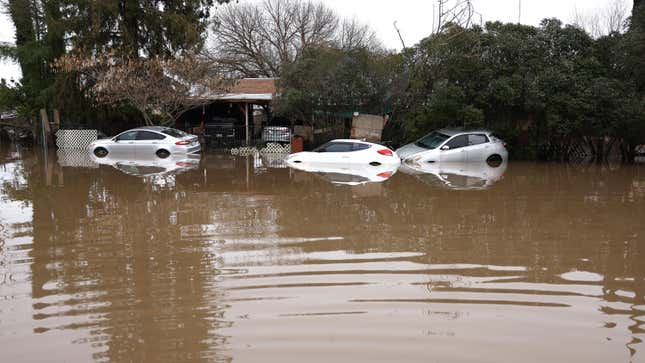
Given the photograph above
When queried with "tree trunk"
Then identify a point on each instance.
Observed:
(56, 120)
(608, 148)
(627, 152)
(146, 117)
(22, 17)
(599, 150)
(592, 147)
(130, 11)
(55, 34)
(47, 137)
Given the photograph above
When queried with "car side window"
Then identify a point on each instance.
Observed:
(338, 147)
(358, 146)
(130, 135)
(147, 135)
(476, 139)
(457, 142)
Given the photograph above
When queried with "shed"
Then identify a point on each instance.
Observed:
(237, 104)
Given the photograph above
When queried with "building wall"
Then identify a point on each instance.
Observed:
(368, 127)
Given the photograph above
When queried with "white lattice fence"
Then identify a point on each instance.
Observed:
(275, 148)
(75, 139)
(270, 148)
(75, 158)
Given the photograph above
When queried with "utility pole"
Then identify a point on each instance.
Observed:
(519, 11)
(400, 37)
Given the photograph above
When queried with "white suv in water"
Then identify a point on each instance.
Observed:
(450, 145)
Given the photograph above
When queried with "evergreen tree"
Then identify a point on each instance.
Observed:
(46, 29)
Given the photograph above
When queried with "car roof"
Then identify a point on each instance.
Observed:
(353, 140)
(151, 128)
(457, 131)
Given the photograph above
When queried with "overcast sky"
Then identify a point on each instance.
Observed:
(413, 17)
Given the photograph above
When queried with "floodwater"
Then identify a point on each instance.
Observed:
(241, 259)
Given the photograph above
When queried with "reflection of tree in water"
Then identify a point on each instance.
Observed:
(107, 248)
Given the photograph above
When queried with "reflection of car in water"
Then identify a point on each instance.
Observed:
(151, 165)
(640, 154)
(460, 176)
(448, 145)
(339, 173)
(347, 151)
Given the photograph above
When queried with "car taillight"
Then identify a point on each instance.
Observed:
(385, 175)
(504, 144)
(183, 142)
(386, 152)
(183, 163)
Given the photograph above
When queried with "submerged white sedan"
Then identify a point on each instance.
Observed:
(147, 141)
(346, 151)
(455, 146)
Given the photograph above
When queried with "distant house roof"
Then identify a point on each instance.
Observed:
(254, 86)
(249, 90)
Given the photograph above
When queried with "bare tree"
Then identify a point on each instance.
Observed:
(258, 39)
(458, 12)
(353, 34)
(157, 88)
(616, 15)
(603, 21)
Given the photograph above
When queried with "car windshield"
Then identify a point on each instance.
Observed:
(174, 133)
(432, 140)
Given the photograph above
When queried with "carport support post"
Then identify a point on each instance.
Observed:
(246, 122)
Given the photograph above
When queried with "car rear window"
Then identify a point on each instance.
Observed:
(476, 139)
(148, 135)
(174, 133)
(360, 146)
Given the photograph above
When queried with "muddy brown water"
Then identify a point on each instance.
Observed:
(240, 259)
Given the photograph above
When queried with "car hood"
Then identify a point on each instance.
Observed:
(409, 150)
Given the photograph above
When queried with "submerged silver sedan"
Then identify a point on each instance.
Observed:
(147, 141)
(450, 145)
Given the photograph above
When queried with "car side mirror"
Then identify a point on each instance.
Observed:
(445, 147)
